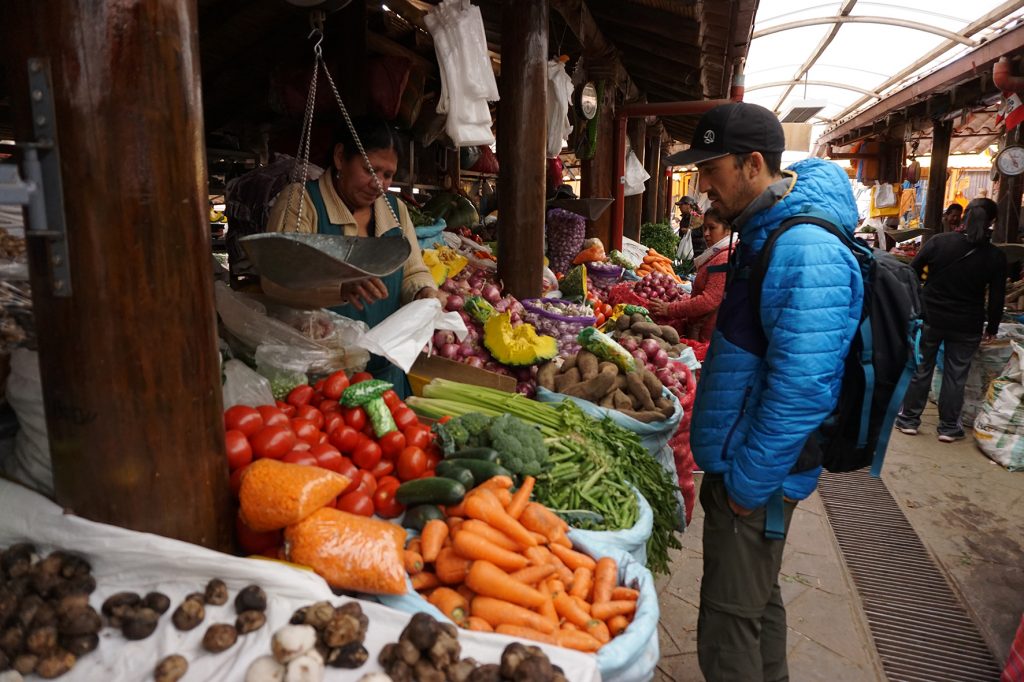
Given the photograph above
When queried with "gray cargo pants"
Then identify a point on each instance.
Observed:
(741, 629)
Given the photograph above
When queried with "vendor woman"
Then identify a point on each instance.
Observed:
(349, 200)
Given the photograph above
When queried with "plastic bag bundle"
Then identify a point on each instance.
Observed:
(243, 386)
(29, 463)
(277, 494)
(999, 426)
(429, 236)
(467, 80)
(636, 175)
(559, 91)
(350, 552)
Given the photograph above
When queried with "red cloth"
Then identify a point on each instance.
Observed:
(1014, 670)
(701, 309)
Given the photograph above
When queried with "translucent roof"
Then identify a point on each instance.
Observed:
(879, 48)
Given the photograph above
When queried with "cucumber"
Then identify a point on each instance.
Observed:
(358, 394)
(434, 490)
(417, 517)
(480, 468)
(487, 454)
(456, 473)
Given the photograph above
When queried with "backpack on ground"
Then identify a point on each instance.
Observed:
(883, 355)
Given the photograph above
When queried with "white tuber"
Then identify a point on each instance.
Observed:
(375, 677)
(265, 669)
(15, 676)
(306, 668)
(292, 641)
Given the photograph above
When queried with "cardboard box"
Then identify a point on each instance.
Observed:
(426, 368)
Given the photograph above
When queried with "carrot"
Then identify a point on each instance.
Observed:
(497, 483)
(582, 603)
(608, 609)
(540, 519)
(569, 626)
(458, 510)
(503, 495)
(562, 539)
(617, 624)
(500, 612)
(625, 593)
(520, 632)
(605, 576)
(450, 603)
(573, 559)
(582, 581)
(434, 533)
(450, 567)
(538, 556)
(547, 609)
(413, 562)
(424, 580)
(599, 631)
(490, 533)
(521, 498)
(454, 523)
(564, 574)
(486, 507)
(571, 611)
(531, 575)
(472, 546)
(490, 581)
(478, 624)
(556, 587)
(466, 593)
(581, 641)
(539, 538)
(415, 545)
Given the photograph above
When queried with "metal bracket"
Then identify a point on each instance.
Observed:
(42, 191)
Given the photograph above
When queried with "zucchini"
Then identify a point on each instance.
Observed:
(456, 473)
(480, 468)
(417, 517)
(488, 454)
(359, 394)
(434, 490)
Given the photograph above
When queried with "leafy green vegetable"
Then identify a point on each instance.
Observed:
(521, 446)
(660, 237)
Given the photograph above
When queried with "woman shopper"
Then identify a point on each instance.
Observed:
(958, 269)
(350, 200)
(700, 310)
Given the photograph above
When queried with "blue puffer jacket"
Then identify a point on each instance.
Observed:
(761, 395)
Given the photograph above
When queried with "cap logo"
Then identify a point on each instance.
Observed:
(709, 136)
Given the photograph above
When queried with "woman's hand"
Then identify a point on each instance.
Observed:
(659, 308)
(430, 292)
(363, 292)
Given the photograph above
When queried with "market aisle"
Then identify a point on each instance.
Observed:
(966, 510)
(828, 636)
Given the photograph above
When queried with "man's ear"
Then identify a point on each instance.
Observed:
(755, 164)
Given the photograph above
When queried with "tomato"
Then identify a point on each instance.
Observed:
(301, 445)
(429, 473)
(335, 385)
(300, 395)
(384, 502)
(366, 454)
(312, 414)
(405, 418)
(327, 456)
(347, 469)
(332, 421)
(360, 377)
(288, 410)
(328, 406)
(254, 542)
(411, 463)
(392, 444)
(433, 460)
(392, 400)
(306, 430)
(273, 441)
(322, 438)
(418, 436)
(236, 480)
(243, 418)
(238, 449)
(354, 417)
(383, 468)
(599, 320)
(319, 385)
(300, 457)
(445, 419)
(367, 483)
(356, 503)
(388, 481)
(345, 438)
(272, 416)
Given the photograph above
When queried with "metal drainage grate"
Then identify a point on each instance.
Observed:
(919, 625)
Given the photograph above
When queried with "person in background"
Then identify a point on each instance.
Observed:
(687, 208)
(952, 217)
(958, 270)
(349, 199)
(765, 387)
(701, 308)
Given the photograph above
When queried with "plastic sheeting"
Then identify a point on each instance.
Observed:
(127, 560)
(559, 92)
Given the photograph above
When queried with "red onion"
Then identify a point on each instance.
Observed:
(628, 344)
(467, 348)
(450, 286)
(442, 337)
(660, 358)
(649, 347)
(475, 361)
(640, 356)
(449, 350)
(491, 293)
(455, 302)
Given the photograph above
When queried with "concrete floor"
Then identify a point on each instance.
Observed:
(962, 506)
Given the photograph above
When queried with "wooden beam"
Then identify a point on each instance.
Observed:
(941, 134)
(652, 164)
(581, 22)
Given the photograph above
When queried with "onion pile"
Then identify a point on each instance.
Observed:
(563, 320)
(660, 287)
(565, 232)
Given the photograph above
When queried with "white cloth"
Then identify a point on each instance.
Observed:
(713, 251)
(559, 92)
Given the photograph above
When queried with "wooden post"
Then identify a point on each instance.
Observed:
(1011, 189)
(129, 362)
(634, 204)
(942, 133)
(652, 164)
(665, 196)
(598, 172)
(522, 146)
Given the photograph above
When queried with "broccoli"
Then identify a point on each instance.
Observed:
(467, 431)
(522, 448)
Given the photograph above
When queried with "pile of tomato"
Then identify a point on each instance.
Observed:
(310, 428)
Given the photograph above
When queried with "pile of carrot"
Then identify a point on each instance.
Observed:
(501, 563)
(655, 262)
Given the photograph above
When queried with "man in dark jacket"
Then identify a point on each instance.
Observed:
(958, 268)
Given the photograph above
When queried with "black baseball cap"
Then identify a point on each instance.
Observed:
(734, 128)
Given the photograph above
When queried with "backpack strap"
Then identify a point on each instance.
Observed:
(914, 337)
(867, 367)
(775, 517)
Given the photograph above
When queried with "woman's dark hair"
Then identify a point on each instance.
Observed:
(953, 208)
(374, 132)
(716, 215)
(978, 218)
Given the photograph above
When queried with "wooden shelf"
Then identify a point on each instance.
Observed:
(475, 176)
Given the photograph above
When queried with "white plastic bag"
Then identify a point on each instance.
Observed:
(635, 176)
(559, 92)
(243, 386)
(999, 426)
(30, 462)
(403, 334)
(884, 196)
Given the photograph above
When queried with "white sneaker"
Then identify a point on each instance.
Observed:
(909, 430)
(950, 438)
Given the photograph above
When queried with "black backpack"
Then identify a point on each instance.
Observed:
(882, 360)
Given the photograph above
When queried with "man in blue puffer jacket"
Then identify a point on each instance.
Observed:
(765, 389)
